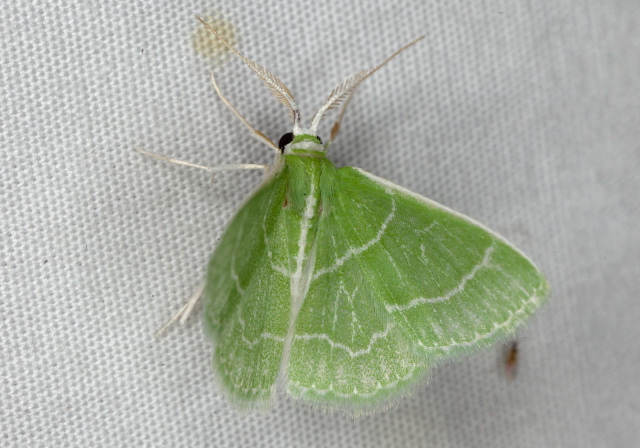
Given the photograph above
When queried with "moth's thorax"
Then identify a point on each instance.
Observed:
(305, 145)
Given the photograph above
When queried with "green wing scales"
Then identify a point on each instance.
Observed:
(399, 283)
(247, 297)
(342, 288)
(379, 287)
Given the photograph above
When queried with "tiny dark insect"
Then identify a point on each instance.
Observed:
(511, 361)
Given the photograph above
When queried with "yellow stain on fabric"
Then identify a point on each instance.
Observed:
(205, 42)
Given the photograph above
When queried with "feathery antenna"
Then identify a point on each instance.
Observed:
(277, 87)
(346, 89)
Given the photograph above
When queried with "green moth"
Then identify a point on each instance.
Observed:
(342, 289)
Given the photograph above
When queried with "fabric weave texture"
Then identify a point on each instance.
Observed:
(523, 115)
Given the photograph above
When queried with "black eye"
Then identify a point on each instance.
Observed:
(285, 140)
(319, 139)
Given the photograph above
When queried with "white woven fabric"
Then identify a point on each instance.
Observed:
(524, 115)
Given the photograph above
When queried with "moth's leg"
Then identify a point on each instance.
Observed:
(254, 132)
(349, 88)
(211, 169)
(336, 126)
(183, 314)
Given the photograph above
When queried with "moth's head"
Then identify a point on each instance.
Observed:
(304, 139)
(290, 143)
